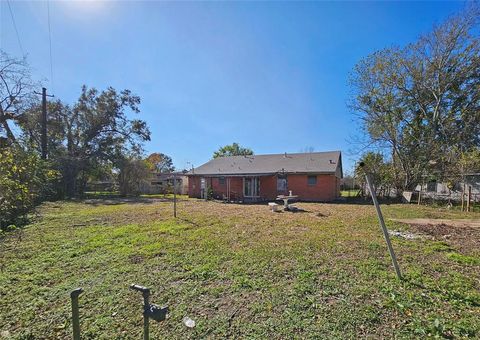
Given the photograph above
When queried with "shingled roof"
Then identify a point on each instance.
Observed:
(300, 163)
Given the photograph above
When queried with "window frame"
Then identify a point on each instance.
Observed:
(284, 180)
(253, 186)
(310, 177)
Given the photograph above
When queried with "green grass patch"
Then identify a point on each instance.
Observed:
(349, 193)
(464, 259)
(238, 270)
(439, 247)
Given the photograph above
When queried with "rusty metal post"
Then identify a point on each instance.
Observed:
(382, 223)
(75, 313)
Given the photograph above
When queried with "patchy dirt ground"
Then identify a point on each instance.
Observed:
(463, 234)
(462, 223)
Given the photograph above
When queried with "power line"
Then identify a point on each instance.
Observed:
(15, 27)
(50, 44)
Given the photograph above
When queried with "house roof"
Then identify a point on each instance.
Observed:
(312, 162)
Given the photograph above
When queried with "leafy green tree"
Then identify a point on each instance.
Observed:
(25, 180)
(94, 134)
(469, 162)
(381, 172)
(98, 129)
(132, 176)
(30, 124)
(160, 162)
(422, 101)
(232, 150)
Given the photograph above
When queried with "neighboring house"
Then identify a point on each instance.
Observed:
(162, 183)
(313, 176)
(441, 190)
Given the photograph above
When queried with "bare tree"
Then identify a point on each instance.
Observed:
(16, 92)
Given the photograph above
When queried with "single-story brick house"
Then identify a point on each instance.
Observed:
(313, 176)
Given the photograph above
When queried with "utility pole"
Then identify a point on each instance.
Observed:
(44, 123)
(44, 143)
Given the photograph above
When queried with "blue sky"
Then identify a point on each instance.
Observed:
(272, 76)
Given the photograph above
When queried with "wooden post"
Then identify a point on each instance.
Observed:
(463, 196)
(44, 142)
(420, 194)
(174, 195)
(469, 197)
(43, 123)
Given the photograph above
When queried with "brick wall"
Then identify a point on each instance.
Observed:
(327, 187)
(268, 187)
(194, 186)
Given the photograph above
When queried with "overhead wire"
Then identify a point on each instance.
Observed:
(15, 27)
(50, 44)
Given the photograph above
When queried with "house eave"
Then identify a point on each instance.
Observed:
(263, 174)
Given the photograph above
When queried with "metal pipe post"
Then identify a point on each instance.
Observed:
(146, 305)
(382, 224)
(75, 313)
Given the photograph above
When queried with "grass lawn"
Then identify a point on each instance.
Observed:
(349, 193)
(237, 270)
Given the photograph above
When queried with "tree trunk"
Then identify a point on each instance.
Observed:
(9, 132)
(70, 177)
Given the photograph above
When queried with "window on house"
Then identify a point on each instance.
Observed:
(221, 180)
(251, 186)
(282, 183)
(432, 186)
(312, 180)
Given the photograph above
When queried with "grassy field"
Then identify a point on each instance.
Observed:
(349, 193)
(238, 271)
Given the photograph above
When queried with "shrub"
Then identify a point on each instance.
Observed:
(210, 193)
(25, 180)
